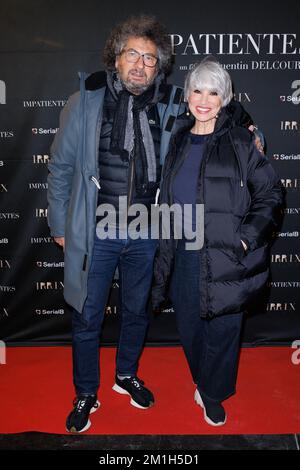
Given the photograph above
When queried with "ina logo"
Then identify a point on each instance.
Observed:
(2, 92)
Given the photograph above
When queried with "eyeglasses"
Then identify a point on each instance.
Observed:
(133, 56)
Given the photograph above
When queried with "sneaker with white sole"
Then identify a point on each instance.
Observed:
(214, 413)
(78, 420)
(141, 397)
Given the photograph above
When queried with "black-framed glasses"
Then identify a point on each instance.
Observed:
(133, 56)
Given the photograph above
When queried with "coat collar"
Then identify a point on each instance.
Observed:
(95, 81)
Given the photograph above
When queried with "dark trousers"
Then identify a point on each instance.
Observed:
(211, 346)
(135, 261)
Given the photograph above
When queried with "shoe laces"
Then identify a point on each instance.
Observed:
(80, 403)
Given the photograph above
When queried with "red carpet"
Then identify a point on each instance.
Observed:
(36, 394)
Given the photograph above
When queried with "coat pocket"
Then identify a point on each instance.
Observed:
(239, 250)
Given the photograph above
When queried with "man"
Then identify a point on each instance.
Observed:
(112, 141)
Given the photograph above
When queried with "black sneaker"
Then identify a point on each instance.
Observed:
(141, 397)
(78, 419)
(214, 413)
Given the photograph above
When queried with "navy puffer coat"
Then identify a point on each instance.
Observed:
(242, 198)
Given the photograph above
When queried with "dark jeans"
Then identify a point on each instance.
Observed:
(211, 346)
(134, 259)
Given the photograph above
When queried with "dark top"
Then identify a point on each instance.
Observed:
(185, 181)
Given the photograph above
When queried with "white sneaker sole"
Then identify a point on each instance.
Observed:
(199, 402)
(121, 390)
(88, 424)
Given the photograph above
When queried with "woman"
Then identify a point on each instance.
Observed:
(216, 163)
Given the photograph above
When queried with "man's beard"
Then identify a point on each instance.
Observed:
(137, 88)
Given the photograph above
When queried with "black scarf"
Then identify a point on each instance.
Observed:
(142, 155)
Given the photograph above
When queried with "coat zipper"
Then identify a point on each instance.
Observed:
(96, 179)
(202, 179)
(130, 182)
(157, 197)
(237, 158)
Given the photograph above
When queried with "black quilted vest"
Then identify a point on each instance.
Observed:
(116, 175)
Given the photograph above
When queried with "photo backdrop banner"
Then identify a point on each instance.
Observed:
(43, 45)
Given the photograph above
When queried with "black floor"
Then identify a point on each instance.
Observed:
(43, 441)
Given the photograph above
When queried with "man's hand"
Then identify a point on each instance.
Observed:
(258, 135)
(259, 145)
(60, 241)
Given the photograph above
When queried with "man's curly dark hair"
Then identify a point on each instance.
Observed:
(143, 26)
